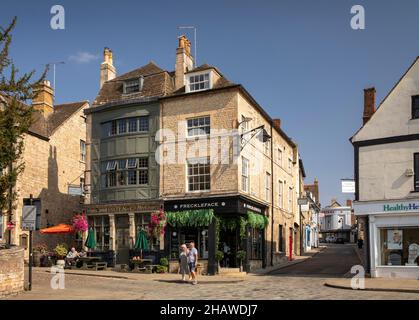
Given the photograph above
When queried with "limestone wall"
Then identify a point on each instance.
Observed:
(11, 271)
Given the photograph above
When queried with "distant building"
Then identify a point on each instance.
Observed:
(311, 211)
(55, 157)
(386, 156)
(336, 220)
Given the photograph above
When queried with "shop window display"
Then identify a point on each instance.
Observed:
(399, 246)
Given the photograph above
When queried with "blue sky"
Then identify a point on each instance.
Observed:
(300, 59)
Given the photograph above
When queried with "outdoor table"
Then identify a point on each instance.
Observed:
(140, 263)
(88, 261)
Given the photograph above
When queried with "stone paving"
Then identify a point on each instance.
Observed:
(292, 284)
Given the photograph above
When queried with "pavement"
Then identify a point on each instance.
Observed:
(299, 281)
(378, 284)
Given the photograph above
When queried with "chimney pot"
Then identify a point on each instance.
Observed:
(369, 104)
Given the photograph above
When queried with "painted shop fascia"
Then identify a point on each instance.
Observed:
(223, 207)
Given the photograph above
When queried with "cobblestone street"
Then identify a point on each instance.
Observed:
(293, 282)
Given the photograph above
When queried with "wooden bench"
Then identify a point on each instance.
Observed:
(100, 265)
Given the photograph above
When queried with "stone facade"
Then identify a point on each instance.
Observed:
(11, 271)
(52, 164)
(225, 109)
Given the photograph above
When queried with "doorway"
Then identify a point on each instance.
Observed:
(122, 239)
(228, 245)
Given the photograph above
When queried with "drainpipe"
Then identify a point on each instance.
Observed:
(272, 196)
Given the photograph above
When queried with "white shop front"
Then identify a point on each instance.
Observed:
(393, 237)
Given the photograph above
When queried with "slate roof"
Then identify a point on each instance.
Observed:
(45, 127)
(157, 83)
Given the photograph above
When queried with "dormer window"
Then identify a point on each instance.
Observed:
(133, 85)
(198, 82)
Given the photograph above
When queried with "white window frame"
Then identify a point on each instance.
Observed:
(82, 150)
(245, 175)
(281, 194)
(280, 156)
(290, 164)
(111, 165)
(290, 199)
(198, 74)
(266, 147)
(132, 83)
(202, 160)
(202, 132)
(132, 166)
(267, 186)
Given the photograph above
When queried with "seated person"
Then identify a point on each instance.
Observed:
(72, 257)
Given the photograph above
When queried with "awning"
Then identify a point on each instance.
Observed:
(58, 229)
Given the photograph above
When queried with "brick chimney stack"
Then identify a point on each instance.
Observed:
(369, 104)
(43, 100)
(349, 203)
(107, 70)
(184, 61)
(277, 123)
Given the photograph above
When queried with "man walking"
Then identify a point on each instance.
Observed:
(193, 261)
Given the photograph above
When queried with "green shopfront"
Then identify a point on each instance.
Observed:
(227, 231)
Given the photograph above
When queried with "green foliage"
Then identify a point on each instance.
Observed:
(241, 255)
(219, 255)
(61, 250)
(16, 118)
(229, 224)
(190, 218)
(243, 223)
(160, 269)
(257, 221)
(217, 231)
(164, 262)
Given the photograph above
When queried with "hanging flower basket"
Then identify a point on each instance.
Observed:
(80, 223)
(157, 224)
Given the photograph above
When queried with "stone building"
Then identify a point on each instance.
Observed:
(386, 157)
(122, 173)
(253, 170)
(222, 154)
(54, 158)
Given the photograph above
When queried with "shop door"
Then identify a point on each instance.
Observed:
(122, 239)
(228, 245)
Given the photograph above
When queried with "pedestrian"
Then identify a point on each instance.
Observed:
(360, 243)
(183, 261)
(193, 261)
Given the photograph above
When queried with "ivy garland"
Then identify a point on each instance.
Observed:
(257, 221)
(190, 218)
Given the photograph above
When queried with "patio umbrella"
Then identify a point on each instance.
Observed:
(90, 241)
(60, 228)
(141, 243)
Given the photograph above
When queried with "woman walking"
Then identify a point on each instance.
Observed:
(183, 261)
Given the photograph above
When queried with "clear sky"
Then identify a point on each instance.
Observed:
(300, 59)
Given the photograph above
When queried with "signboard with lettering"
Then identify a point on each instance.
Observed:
(383, 207)
(75, 190)
(348, 186)
(29, 218)
(124, 208)
(224, 205)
